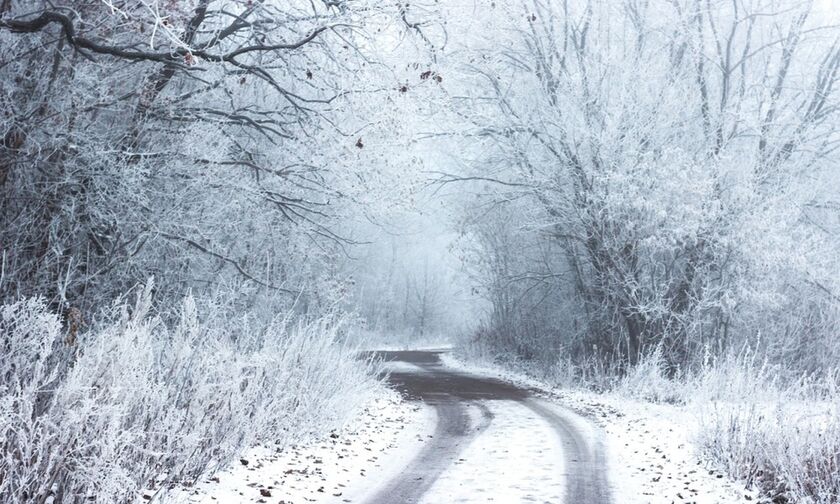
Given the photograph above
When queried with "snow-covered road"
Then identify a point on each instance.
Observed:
(494, 442)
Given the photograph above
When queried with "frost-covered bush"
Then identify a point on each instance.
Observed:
(649, 380)
(790, 452)
(138, 406)
(777, 433)
(784, 440)
(774, 431)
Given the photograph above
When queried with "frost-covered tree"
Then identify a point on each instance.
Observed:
(674, 158)
(226, 148)
(214, 144)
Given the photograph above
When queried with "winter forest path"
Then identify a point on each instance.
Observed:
(494, 442)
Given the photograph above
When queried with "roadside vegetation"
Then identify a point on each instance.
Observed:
(140, 406)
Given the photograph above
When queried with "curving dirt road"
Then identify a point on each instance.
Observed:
(465, 406)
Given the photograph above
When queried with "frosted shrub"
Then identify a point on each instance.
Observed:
(648, 380)
(141, 406)
(783, 438)
(791, 452)
(29, 336)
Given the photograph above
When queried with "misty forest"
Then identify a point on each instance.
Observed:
(254, 250)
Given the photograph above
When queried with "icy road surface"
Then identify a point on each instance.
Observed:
(494, 442)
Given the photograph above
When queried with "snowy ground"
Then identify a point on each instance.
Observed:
(344, 466)
(651, 453)
(516, 459)
(433, 347)
(650, 447)
(387, 341)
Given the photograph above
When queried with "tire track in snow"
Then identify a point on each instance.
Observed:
(586, 474)
(452, 394)
(453, 432)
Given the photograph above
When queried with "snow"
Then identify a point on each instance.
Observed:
(650, 447)
(516, 459)
(401, 367)
(405, 445)
(434, 346)
(651, 452)
(344, 466)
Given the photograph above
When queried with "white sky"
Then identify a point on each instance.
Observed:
(829, 8)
